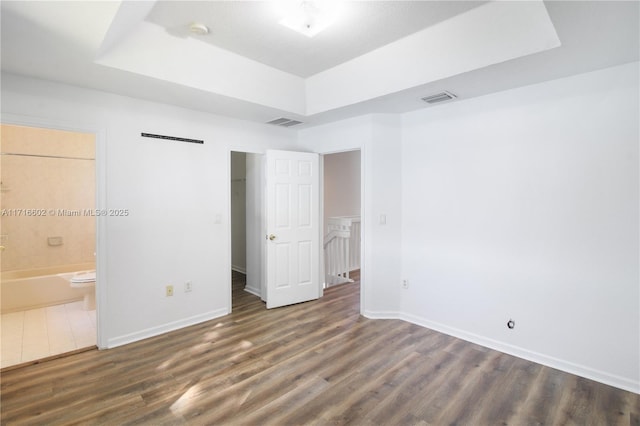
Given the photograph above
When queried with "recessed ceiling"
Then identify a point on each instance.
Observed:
(123, 47)
(251, 29)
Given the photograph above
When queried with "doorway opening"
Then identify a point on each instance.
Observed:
(48, 240)
(246, 226)
(340, 203)
(341, 217)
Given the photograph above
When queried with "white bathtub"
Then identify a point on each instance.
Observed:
(30, 289)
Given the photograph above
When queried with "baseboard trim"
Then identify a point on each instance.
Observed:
(559, 364)
(239, 269)
(381, 314)
(252, 290)
(165, 328)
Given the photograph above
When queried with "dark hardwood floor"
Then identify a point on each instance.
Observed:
(313, 363)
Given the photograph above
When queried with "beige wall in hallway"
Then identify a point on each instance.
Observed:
(341, 184)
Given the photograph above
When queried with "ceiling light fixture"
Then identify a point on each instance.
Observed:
(308, 17)
(198, 29)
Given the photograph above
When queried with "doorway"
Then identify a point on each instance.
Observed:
(342, 217)
(48, 239)
(341, 198)
(246, 225)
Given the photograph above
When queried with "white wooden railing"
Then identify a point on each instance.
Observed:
(341, 249)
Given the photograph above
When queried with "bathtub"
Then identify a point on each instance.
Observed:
(36, 288)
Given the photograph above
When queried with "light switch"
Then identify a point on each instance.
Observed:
(217, 219)
(383, 219)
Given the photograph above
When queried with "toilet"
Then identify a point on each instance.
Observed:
(86, 281)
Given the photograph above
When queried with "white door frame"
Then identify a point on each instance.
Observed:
(229, 236)
(363, 248)
(100, 204)
(362, 215)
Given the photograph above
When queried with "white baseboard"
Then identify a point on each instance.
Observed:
(253, 290)
(381, 314)
(239, 269)
(165, 328)
(559, 364)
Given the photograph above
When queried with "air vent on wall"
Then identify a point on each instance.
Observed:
(439, 97)
(284, 122)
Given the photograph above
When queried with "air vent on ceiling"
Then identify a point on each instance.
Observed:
(439, 97)
(284, 122)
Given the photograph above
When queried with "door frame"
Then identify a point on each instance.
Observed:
(363, 220)
(99, 133)
(362, 216)
(228, 261)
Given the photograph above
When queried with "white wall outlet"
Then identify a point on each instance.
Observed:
(169, 290)
(405, 283)
(187, 287)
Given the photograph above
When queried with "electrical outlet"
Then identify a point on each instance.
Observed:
(405, 284)
(187, 287)
(169, 290)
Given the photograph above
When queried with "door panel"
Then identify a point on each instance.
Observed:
(293, 237)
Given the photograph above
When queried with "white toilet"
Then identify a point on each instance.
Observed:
(86, 281)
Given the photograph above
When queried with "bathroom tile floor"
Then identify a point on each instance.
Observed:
(39, 333)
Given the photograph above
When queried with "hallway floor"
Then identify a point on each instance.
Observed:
(40, 333)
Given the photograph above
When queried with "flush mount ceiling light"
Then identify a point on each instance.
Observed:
(308, 17)
(198, 29)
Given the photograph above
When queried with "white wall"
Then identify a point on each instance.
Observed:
(173, 190)
(341, 185)
(523, 205)
(383, 197)
(238, 212)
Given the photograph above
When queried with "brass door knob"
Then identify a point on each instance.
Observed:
(272, 237)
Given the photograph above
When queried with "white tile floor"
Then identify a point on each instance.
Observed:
(39, 333)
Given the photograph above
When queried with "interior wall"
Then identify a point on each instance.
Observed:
(54, 179)
(238, 212)
(341, 185)
(523, 205)
(176, 193)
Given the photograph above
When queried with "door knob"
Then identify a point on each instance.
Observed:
(272, 237)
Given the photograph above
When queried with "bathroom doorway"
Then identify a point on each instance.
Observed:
(48, 239)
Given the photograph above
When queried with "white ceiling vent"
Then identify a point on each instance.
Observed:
(284, 122)
(439, 97)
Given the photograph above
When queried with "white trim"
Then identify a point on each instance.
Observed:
(381, 314)
(559, 364)
(166, 328)
(253, 290)
(238, 269)
(228, 260)
(365, 232)
(101, 203)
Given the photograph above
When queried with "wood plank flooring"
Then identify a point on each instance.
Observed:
(317, 363)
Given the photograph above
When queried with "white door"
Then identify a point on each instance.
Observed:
(293, 232)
